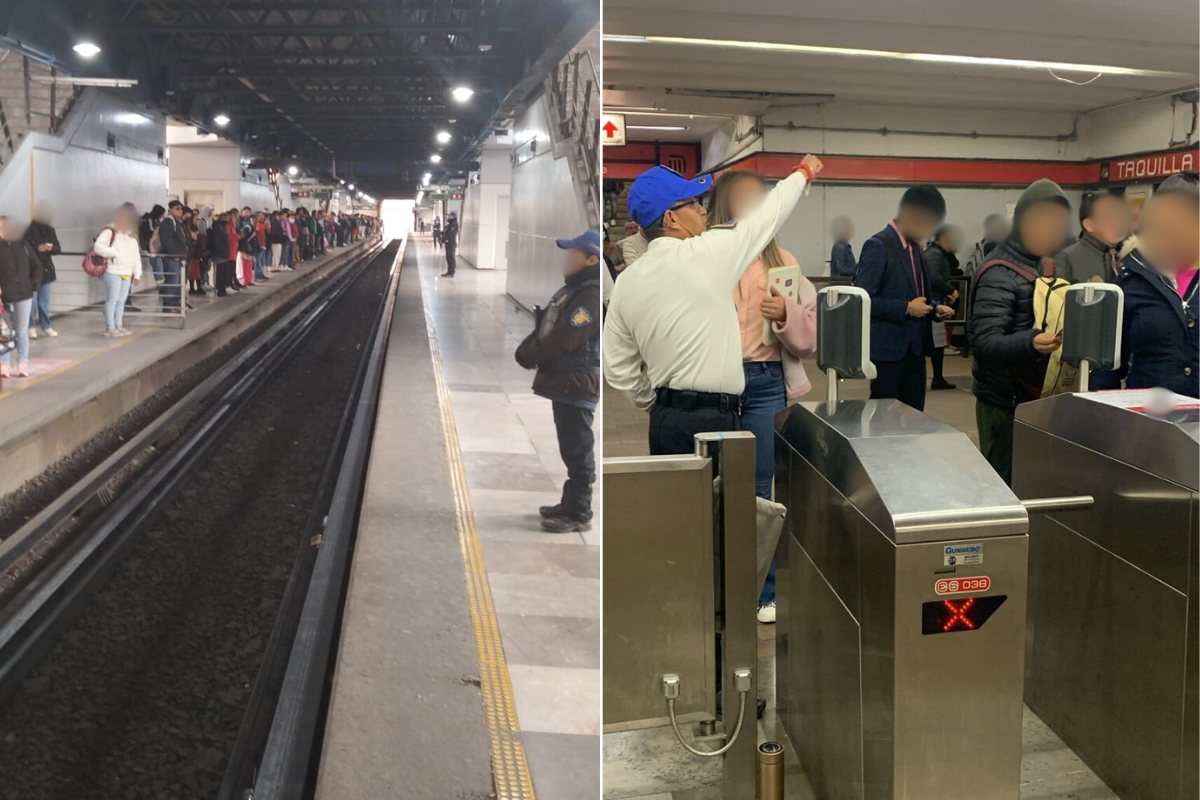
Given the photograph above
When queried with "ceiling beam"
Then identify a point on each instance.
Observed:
(239, 30)
(178, 54)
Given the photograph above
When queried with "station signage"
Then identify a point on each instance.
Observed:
(612, 129)
(1149, 167)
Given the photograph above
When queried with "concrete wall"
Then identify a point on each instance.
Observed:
(87, 174)
(544, 208)
(485, 225)
(1154, 124)
(203, 166)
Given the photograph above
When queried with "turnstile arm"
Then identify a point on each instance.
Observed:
(1051, 505)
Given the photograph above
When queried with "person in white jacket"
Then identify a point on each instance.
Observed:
(118, 243)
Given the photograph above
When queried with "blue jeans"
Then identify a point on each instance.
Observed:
(116, 289)
(19, 311)
(40, 313)
(260, 261)
(764, 397)
(288, 249)
(167, 277)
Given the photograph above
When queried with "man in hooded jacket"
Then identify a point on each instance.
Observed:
(1011, 355)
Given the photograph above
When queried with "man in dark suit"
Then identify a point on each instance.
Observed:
(893, 272)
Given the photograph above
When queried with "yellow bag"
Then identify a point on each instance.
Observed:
(1049, 301)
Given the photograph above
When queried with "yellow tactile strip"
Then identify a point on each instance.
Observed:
(509, 766)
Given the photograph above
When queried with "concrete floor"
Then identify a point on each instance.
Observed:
(650, 765)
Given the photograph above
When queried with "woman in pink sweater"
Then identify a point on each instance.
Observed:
(774, 374)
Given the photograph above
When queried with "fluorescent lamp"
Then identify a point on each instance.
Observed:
(351, 187)
(656, 127)
(292, 170)
(221, 120)
(462, 93)
(443, 136)
(435, 158)
(87, 49)
(935, 58)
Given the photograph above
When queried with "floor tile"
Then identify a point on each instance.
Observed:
(551, 641)
(556, 699)
(543, 596)
(563, 767)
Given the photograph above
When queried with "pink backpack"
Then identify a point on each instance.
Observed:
(96, 265)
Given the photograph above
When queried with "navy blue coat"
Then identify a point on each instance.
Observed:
(841, 261)
(1160, 338)
(893, 332)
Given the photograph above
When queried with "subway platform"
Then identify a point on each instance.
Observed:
(469, 657)
(81, 382)
(650, 765)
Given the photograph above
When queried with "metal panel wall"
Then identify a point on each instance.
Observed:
(545, 207)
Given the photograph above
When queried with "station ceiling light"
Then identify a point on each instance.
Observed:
(657, 127)
(351, 187)
(443, 136)
(292, 170)
(435, 158)
(462, 93)
(87, 49)
(221, 120)
(936, 58)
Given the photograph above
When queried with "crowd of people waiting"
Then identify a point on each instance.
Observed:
(677, 346)
(224, 252)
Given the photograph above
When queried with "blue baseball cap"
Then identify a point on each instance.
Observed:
(454, 213)
(588, 242)
(657, 189)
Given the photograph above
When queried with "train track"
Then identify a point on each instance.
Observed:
(176, 644)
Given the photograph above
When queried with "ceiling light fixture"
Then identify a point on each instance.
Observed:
(657, 127)
(351, 187)
(936, 58)
(87, 49)
(292, 170)
(462, 93)
(435, 158)
(221, 120)
(443, 136)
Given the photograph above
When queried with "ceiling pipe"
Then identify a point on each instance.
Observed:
(1056, 137)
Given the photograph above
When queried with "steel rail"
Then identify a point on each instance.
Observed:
(292, 747)
(56, 594)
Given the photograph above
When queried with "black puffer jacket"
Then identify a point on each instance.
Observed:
(20, 271)
(1000, 327)
(943, 266)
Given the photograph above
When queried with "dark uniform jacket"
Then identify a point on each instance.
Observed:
(565, 345)
(450, 234)
(1160, 337)
(1087, 258)
(20, 271)
(841, 261)
(1000, 329)
(39, 233)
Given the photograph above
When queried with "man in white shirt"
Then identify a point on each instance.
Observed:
(634, 245)
(671, 339)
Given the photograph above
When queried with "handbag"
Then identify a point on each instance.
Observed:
(8, 331)
(93, 264)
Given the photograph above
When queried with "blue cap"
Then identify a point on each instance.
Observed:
(454, 213)
(659, 188)
(588, 242)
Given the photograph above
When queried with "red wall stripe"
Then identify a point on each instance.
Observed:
(628, 162)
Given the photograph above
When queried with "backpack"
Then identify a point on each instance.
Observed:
(93, 264)
(1049, 301)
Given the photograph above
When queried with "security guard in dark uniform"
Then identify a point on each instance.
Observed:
(450, 242)
(565, 349)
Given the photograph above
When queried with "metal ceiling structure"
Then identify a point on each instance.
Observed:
(363, 86)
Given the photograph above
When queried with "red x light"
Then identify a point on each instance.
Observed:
(954, 616)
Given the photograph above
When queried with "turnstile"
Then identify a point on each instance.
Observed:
(1114, 605)
(901, 580)
(680, 574)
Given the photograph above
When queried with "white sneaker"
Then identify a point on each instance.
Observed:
(110, 333)
(50, 332)
(766, 614)
(33, 333)
(124, 332)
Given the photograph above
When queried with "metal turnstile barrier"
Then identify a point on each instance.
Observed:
(679, 575)
(900, 580)
(1114, 605)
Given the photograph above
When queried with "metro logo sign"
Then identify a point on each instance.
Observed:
(612, 129)
(979, 583)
